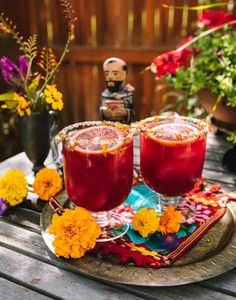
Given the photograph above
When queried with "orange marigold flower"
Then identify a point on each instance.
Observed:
(170, 220)
(47, 183)
(75, 232)
(146, 221)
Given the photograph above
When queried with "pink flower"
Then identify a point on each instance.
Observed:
(169, 62)
(212, 19)
(194, 212)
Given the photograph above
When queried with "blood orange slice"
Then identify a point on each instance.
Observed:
(98, 139)
(174, 132)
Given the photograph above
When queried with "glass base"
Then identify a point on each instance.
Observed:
(160, 203)
(164, 202)
(113, 225)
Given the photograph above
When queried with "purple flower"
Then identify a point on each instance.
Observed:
(11, 73)
(23, 65)
(169, 241)
(3, 206)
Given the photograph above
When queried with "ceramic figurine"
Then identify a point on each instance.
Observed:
(116, 102)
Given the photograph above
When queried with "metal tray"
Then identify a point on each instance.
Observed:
(214, 254)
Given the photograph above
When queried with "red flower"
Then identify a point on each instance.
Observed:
(212, 19)
(168, 62)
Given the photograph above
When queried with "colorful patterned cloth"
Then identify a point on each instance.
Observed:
(202, 208)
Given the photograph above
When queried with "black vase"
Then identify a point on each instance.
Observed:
(35, 138)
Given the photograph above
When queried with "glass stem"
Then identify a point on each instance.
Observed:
(164, 202)
(101, 218)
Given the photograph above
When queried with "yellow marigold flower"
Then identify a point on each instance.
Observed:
(170, 220)
(53, 97)
(47, 183)
(146, 221)
(13, 187)
(23, 106)
(75, 232)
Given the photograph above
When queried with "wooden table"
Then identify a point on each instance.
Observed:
(29, 271)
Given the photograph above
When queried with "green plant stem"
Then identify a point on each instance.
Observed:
(204, 33)
(198, 7)
(66, 49)
(216, 103)
(27, 74)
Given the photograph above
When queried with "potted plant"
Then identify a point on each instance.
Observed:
(33, 93)
(203, 67)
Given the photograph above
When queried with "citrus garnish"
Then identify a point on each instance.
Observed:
(98, 139)
(173, 132)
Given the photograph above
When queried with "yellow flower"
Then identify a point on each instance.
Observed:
(75, 232)
(170, 220)
(47, 183)
(13, 187)
(23, 105)
(146, 221)
(53, 97)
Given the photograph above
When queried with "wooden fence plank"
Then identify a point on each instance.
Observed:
(122, 24)
(39, 16)
(192, 16)
(149, 26)
(137, 32)
(68, 88)
(112, 22)
(178, 19)
(91, 106)
(58, 23)
(164, 19)
(100, 22)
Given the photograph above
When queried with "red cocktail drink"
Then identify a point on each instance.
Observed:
(98, 171)
(98, 167)
(172, 155)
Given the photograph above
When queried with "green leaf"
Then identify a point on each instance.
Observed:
(9, 99)
(232, 138)
(33, 87)
(7, 96)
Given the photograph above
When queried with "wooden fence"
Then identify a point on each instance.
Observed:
(134, 30)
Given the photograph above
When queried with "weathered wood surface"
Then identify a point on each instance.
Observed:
(29, 271)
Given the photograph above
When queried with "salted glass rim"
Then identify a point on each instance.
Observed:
(65, 134)
(201, 125)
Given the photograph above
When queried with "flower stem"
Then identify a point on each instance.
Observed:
(11, 30)
(27, 74)
(66, 49)
(204, 33)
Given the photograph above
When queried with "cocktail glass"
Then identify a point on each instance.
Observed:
(98, 170)
(172, 152)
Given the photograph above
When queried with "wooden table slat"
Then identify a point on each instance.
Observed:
(52, 281)
(10, 290)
